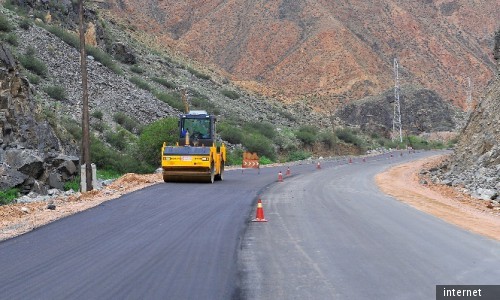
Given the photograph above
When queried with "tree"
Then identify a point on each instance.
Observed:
(153, 136)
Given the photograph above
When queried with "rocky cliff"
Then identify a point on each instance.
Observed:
(422, 110)
(327, 51)
(31, 155)
(476, 161)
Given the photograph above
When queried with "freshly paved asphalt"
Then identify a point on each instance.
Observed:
(333, 235)
(338, 236)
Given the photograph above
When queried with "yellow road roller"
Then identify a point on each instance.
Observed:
(195, 157)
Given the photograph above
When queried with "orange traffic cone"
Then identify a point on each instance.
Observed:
(350, 160)
(280, 176)
(288, 172)
(318, 166)
(259, 216)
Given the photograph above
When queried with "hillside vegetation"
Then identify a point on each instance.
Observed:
(134, 100)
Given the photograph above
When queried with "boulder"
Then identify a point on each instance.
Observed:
(123, 53)
(10, 177)
(55, 181)
(485, 194)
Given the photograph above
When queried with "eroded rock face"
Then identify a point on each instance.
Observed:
(476, 161)
(423, 111)
(30, 152)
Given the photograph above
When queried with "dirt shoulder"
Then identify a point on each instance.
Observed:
(403, 183)
(16, 219)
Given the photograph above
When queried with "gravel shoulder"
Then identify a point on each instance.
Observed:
(16, 219)
(403, 183)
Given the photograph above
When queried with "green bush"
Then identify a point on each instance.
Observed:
(30, 62)
(164, 82)
(118, 140)
(298, 155)
(33, 78)
(25, 24)
(112, 160)
(198, 74)
(140, 83)
(172, 99)
(232, 135)
(127, 122)
(263, 160)
(260, 144)
(11, 38)
(107, 174)
(7, 196)
(10, 5)
(73, 184)
(230, 94)
(97, 114)
(349, 136)
(329, 139)
(307, 135)
(68, 37)
(99, 126)
(104, 59)
(264, 128)
(5, 25)
(73, 127)
(56, 92)
(235, 157)
(153, 136)
(421, 143)
(136, 69)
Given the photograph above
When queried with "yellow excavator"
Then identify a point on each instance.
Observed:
(195, 157)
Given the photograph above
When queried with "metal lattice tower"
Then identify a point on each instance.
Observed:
(396, 120)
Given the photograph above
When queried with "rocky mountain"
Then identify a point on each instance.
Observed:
(32, 157)
(326, 52)
(422, 110)
(475, 165)
(40, 112)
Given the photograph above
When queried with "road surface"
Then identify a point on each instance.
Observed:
(193, 241)
(333, 235)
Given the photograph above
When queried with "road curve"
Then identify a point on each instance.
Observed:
(178, 241)
(333, 235)
(167, 241)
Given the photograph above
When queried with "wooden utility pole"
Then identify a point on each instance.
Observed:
(85, 158)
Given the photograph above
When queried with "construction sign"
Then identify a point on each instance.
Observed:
(250, 161)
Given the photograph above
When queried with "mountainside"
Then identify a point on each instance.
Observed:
(328, 51)
(475, 164)
(422, 110)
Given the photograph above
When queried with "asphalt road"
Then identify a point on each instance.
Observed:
(193, 241)
(168, 241)
(333, 235)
